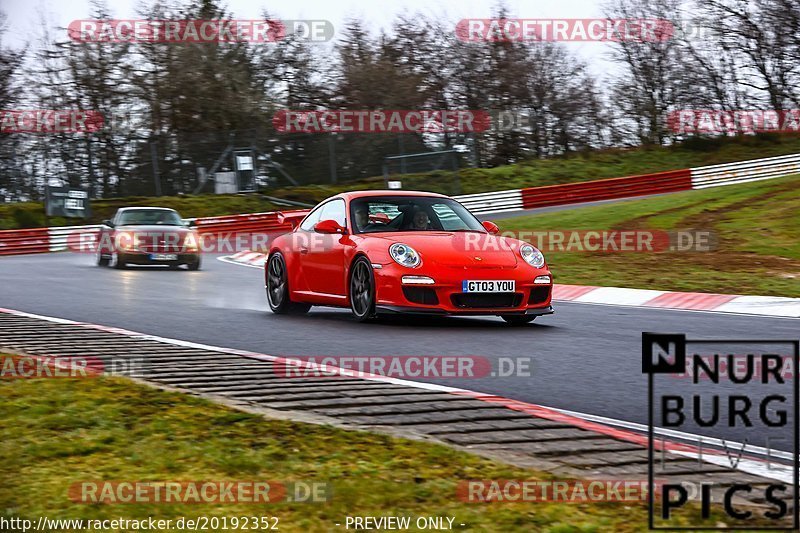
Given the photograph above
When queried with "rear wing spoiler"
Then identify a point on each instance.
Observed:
(292, 217)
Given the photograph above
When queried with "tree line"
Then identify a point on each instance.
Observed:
(171, 109)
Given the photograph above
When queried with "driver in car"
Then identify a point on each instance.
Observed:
(362, 218)
(420, 221)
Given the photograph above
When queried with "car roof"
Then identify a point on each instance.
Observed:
(387, 192)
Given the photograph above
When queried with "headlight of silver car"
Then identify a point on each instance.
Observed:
(404, 255)
(531, 255)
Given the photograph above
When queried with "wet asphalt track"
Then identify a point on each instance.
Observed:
(586, 358)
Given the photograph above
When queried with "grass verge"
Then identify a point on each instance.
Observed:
(572, 167)
(756, 227)
(57, 432)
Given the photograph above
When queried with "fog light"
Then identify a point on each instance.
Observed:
(542, 280)
(417, 280)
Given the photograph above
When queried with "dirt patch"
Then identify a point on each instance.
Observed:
(708, 217)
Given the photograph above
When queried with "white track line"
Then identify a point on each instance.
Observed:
(712, 311)
(752, 466)
(227, 259)
(763, 468)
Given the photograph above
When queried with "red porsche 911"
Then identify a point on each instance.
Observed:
(408, 252)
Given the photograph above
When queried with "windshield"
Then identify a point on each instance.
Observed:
(411, 213)
(142, 217)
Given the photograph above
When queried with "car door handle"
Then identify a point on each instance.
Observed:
(303, 250)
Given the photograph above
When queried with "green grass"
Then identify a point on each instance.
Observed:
(56, 432)
(584, 166)
(757, 226)
(574, 167)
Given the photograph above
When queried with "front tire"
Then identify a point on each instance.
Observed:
(362, 290)
(102, 261)
(278, 288)
(518, 320)
(195, 265)
(117, 261)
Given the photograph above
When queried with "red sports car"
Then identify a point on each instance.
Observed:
(401, 251)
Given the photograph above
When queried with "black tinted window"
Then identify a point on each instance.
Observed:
(411, 213)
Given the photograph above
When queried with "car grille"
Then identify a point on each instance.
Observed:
(487, 300)
(539, 295)
(421, 295)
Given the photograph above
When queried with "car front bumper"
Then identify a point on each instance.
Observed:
(445, 295)
(144, 258)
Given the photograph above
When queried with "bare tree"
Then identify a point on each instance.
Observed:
(652, 81)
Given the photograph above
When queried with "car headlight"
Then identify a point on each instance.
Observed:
(404, 255)
(531, 255)
(125, 240)
(190, 243)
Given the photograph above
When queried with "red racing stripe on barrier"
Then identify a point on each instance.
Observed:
(607, 189)
(24, 241)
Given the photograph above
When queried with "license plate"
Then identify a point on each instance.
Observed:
(163, 257)
(488, 285)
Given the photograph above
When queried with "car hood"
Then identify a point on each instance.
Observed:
(458, 249)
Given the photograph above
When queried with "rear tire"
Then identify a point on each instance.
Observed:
(278, 288)
(362, 290)
(518, 320)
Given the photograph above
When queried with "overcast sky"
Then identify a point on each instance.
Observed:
(24, 15)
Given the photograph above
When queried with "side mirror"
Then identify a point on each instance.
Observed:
(329, 226)
(491, 227)
(190, 223)
(108, 223)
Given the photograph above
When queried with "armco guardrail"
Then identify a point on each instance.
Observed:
(60, 238)
(266, 222)
(492, 202)
(54, 239)
(24, 241)
(63, 236)
(573, 193)
(632, 186)
(607, 189)
(745, 171)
